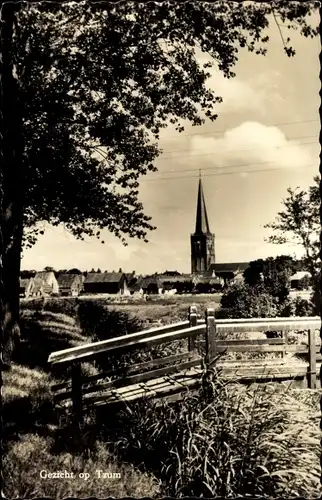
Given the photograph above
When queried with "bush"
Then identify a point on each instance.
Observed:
(32, 454)
(100, 322)
(43, 332)
(67, 306)
(243, 441)
(297, 307)
(245, 301)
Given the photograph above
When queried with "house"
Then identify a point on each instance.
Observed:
(227, 271)
(45, 283)
(111, 283)
(136, 287)
(70, 284)
(25, 287)
(172, 282)
(204, 284)
(131, 279)
(297, 278)
(151, 285)
(171, 273)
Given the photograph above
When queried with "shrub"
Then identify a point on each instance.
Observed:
(297, 307)
(101, 322)
(67, 306)
(32, 454)
(43, 332)
(240, 441)
(245, 301)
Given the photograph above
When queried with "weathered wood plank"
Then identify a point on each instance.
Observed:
(76, 395)
(223, 326)
(185, 356)
(259, 362)
(123, 340)
(267, 326)
(134, 379)
(268, 372)
(300, 349)
(174, 358)
(280, 319)
(237, 342)
(211, 346)
(192, 322)
(133, 340)
(312, 360)
(156, 392)
(251, 348)
(129, 392)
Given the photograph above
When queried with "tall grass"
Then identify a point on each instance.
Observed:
(26, 458)
(227, 442)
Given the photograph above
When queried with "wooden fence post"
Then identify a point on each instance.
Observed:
(210, 335)
(193, 322)
(312, 360)
(77, 394)
(285, 338)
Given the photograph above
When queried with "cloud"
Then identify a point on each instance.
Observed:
(237, 94)
(251, 144)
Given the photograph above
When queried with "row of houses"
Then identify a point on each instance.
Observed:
(45, 283)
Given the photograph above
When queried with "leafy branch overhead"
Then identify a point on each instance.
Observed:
(100, 81)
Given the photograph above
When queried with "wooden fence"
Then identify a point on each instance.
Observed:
(83, 391)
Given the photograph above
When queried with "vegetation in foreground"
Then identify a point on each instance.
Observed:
(227, 440)
(32, 430)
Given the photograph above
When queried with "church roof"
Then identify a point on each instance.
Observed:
(202, 224)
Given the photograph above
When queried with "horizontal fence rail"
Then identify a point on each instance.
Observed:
(173, 374)
(177, 331)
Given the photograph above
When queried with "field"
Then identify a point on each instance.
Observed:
(236, 441)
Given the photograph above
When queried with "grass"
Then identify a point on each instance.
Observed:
(167, 309)
(227, 440)
(235, 441)
(32, 428)
(26, 459)
(22, 382)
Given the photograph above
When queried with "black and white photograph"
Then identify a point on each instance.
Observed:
(160, 260)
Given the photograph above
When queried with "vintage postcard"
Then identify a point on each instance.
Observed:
(160, 231)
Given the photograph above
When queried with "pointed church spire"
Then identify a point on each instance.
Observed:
(202, 224)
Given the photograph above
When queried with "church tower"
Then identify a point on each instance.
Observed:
(202, 241)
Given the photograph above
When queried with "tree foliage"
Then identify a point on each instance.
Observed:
(299, 222)
(98, 85)
(85, 90)
(273, 273)
(241, 300)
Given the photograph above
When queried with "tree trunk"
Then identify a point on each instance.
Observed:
(13, 185)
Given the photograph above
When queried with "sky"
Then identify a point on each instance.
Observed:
(266, 139)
